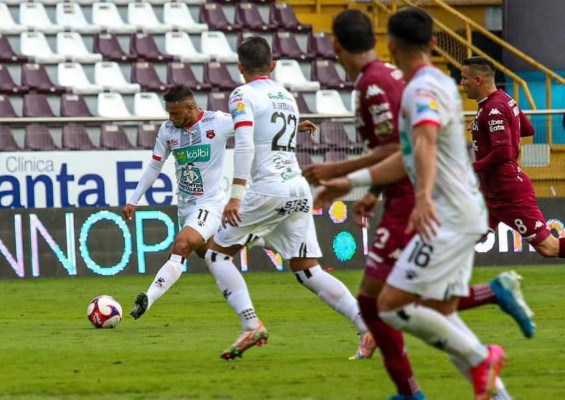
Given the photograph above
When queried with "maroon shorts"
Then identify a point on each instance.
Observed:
(389, 241)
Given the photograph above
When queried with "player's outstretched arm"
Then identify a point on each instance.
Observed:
(148, 177)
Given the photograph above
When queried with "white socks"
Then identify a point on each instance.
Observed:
(334, 293)
(233, 287)
(169, 273)
(436, 330)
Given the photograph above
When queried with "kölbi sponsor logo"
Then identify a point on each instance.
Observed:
(192, 154)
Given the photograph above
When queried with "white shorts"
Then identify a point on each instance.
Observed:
(204, 218)
(283, 222)
(437, 270)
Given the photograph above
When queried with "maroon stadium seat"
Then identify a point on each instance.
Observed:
(107, 44)
(282, 15)
(213, 15)
(145, 74)
(230, 143)
(304, 142)
(304, 159)
(73, 105)
(247, 15)
(286, 46)
(302, 105)
(113, 137)
(7, 140)
(146, 135)
(75, 137)
(335, 155)
(36, 106)
(333, 134)
(325, 72)
(218, 101)
(144, 47)
(37, 138)
(7, 54)
(6, 108)
(35, 77)
(320, 45)
(181, 73)
(218, 76)
(7, 84)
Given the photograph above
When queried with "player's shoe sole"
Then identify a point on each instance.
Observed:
(247, 339)
(484, 375)
(141, 304)
(506, 287)
(367, 346)
(417, 396)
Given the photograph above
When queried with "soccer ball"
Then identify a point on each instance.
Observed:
(104, 312)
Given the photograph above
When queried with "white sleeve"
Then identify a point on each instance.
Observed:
(241, 111)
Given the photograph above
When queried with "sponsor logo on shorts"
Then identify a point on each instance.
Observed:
(292, 206)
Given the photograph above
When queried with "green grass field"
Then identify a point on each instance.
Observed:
(49, 350)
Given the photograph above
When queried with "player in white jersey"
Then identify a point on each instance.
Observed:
(277, 206)
(197, 140)
(449, 216)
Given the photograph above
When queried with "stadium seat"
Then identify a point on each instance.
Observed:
(107, 16)
(305, 142)
(219, 77)
(335, 155)
(34, 16)
(71, 17)
(38, 138)
(113, 137)
(329, 102)
(109, 75)
(282, 16)
(6, 107)
(34, 45)
(179, 17)
(35, 77)
(7, 84)
(216, 45)
(7, 54)
(148, 104)
(73, 106)
(144, 47)
(218, 101)
(247, 15)
(178, 44)
(332, 133)
(146, 135)
(230, 143)
(112, 105)
(320, 45)
(145, 75)
(71, 75)
(7, 140)
(141, 15)
(181, 73)
(75, 137)
(285, 45)
(37, 106)
(304, 159)
(289, 74)
(303, 107)
(325, 72)
(71, 46)
(7, 24)
(213, 15)
(107, 44)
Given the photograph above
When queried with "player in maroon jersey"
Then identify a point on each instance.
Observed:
(379, 89)
(496, 130)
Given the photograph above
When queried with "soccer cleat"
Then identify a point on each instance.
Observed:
(367, 346)
(484, 375)
(506, 288)
(141, 304)
(247, 339)
(416, 396)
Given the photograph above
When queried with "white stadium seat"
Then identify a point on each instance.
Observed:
(49, 2)
(330, 102)
(179, 17)
(216, 45)
(112, 105)
(71, 17)
(34, 16)
(179, 44)
(107, 16)
(141, 16)
(71, 45)
(35, 46)
(290, 75)
(7, 23)
(72, 76)
(84, 2)
(194, 2)
(109, 75)
(148, 104)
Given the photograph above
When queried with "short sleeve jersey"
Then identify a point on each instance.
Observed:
(431, 97)
(199, 155)
(273, 113)
(379, 89)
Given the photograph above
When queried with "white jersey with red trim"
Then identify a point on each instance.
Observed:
(199, 155)
(431, 97)
(272, 112)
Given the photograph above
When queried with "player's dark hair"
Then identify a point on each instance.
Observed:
(354, 31)
(412, 27)
(178, 93)
(481, 65)
(255, 54)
